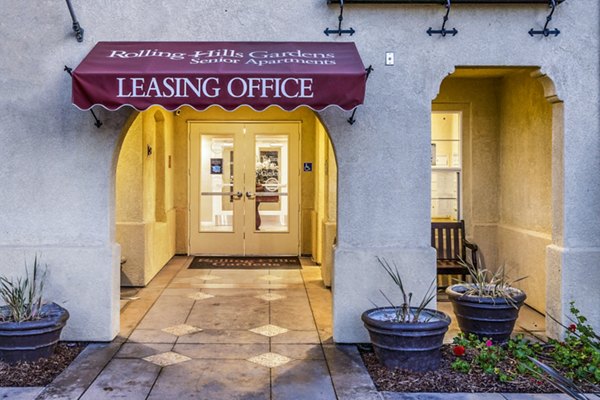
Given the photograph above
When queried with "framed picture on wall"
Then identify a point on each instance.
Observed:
(216, 166)
(441, 160)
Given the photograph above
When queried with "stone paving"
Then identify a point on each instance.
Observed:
(229, 334)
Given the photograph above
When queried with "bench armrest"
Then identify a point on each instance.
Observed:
(472, 246)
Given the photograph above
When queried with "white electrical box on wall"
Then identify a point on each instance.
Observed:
(389, 58)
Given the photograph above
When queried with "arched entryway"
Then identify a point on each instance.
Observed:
(156, 192)
(495, 131)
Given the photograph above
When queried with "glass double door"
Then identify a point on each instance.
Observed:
(244, 180)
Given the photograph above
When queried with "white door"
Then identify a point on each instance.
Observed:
(244, 188)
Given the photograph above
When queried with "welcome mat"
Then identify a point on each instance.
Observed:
(201, 262)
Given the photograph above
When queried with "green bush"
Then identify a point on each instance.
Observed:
(577, 357)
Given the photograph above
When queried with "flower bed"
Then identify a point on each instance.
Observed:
(41, 372)
(518, 366)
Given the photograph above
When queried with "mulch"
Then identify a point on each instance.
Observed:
(445, 380)
(41, 372)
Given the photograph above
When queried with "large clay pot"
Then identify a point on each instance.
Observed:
(32, 340)
(412, 346)
(487, 317)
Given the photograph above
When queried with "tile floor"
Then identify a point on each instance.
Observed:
(231, 334)
(225, 334)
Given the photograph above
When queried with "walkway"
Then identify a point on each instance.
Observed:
(226, 334)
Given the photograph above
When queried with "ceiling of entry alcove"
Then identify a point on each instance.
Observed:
(488, 72)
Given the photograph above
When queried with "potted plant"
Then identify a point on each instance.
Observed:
(405, 336)
(29, 329)
(489, 305)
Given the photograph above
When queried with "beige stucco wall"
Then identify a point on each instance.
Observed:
(525, 178)
(58, 169)
(307, 154)
(145, 232)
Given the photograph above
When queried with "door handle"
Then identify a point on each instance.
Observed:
(250, 195)
(237, 195)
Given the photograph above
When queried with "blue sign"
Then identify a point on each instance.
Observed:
(307, 167)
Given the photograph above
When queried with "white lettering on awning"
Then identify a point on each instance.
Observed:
(236, 87)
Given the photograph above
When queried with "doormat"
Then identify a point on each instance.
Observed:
(201, 262)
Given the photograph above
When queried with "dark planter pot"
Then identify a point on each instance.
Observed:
(412, 346)
(486, 317)
(32, 340)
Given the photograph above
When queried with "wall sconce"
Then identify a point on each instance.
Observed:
(76, 27)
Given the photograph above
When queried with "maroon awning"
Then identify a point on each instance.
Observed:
(230, 75)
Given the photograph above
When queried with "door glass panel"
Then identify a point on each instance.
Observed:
(444, 195)
(271, 183)
(216, 183)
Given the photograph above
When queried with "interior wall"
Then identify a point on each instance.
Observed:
(478, 100)
(307, 154)
(327, 200)
(129, 206)
(525, 202)
(145, 218)
(320, 192)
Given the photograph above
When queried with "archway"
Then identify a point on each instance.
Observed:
(507, 166)
(154, 161)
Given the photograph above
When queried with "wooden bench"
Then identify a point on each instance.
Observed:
(448, 238)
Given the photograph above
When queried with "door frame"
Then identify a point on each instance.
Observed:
(190, 122)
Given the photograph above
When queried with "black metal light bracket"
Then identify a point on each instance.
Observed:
(98, 123)
(351, 120)
(547, 32)
(443, 31)
(76, 27)
(339, 31)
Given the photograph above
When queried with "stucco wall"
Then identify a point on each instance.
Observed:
(129, 205)
(328, 171)
(58, 170)
(525, 172)
(145, 213)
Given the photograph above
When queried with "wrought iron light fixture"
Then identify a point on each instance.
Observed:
(443, 2)
(546, 31)
(339, 31)
(443, 31)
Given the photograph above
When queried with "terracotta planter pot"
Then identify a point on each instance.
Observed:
(486, 317)
(32, 340)
(412, 346)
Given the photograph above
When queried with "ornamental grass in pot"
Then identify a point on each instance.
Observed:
(29, 328)
(489, 305)
(405, 336)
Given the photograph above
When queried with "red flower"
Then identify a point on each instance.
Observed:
(572, 327)
(458, 350)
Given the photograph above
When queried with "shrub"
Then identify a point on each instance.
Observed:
(22, 296)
